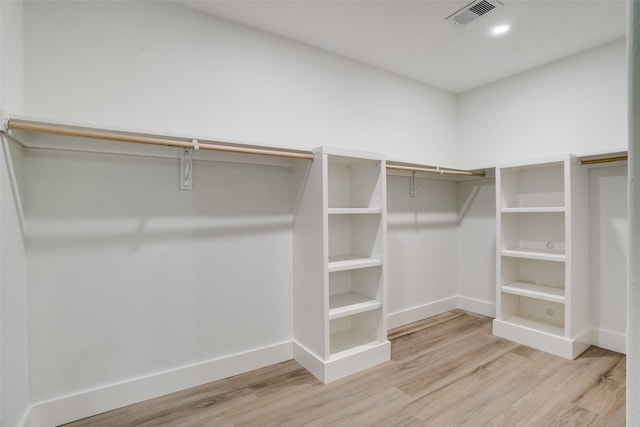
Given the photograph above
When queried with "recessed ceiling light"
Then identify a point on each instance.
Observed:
(500, 29)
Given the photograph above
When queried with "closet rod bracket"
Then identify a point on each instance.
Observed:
(186, 168)
(5, 122)
(412, 184)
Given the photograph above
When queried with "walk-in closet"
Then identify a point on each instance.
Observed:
(340, 213)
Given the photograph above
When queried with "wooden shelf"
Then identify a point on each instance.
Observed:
(351, 262)
(532, 290)
(354, 211)
(548, 255)
(348, 303)
(537, 325)
(547, 209)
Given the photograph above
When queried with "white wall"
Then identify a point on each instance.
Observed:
(11, 56)
(130, 276)
(422, 247)
(14, 373)
(441, 247)
(609, 245)
(574, 105)
(633, 287)
(477, 244)
(161, 67)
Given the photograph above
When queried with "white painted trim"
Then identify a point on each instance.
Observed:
(91, 402)
(350, 364)
(551, 343)
(477, 306)
(420, 312)
(424, 311)
(609, 340)
(308, 360)
(332, 370)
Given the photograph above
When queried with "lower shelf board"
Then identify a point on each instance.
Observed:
(534, 209)
(532, 290)
(539, 254)
(351, 262)
(353, 211)
(348, 303)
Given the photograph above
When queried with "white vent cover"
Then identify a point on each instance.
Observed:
(473, 11)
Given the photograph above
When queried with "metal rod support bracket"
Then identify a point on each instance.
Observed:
(5, 121)
(412, 184)
(186, 169)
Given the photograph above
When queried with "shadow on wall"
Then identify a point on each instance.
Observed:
(477, 240)
(12, 155)
(468, 199)
(433, 207)
(130, 276)
(78, 199)
(74, 234)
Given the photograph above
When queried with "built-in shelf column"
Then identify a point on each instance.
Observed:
(340, 313)
(542, 255)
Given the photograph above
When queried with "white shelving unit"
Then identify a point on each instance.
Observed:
(542, 255)
(339, 264)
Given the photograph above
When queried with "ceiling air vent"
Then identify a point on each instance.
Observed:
(473, 11)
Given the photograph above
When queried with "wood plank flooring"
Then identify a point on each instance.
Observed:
(445, 371)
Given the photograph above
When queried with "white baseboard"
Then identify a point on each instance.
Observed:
(609, 340)
(545, 341)
(339, 367)
(91, 402)
(308, 360)
(414, 314)
(477, 306)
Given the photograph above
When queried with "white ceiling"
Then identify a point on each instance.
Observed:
(413, 39)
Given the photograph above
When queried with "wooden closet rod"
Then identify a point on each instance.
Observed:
(13, 124)
(436, 171)
(605, 160)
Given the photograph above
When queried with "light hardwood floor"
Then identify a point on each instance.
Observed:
(445, 371)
